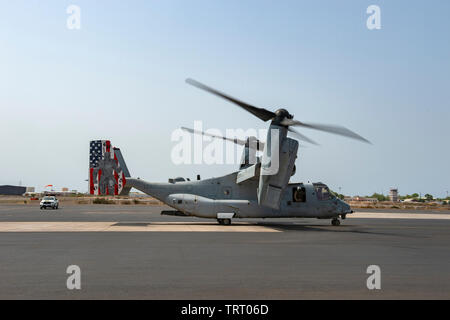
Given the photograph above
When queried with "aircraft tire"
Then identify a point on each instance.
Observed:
(335, 222)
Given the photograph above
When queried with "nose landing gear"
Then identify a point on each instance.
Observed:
(335, 222)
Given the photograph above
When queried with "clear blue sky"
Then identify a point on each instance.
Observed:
(121, 77)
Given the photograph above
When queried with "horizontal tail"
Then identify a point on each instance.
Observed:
(107, 169)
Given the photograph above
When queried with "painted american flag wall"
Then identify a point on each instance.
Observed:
(105, 174)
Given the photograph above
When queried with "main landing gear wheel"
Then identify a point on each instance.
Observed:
(225, 222)
(335, 222)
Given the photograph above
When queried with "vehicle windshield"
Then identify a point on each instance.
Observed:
(322, 192)
(49, 198)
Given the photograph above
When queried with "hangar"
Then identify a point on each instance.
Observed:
(12, 190)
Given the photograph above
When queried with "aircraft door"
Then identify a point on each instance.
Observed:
(298, 196)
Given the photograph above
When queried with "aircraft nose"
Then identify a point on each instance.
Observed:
(345, 207)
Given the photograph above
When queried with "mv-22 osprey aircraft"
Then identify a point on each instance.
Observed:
(257, 190)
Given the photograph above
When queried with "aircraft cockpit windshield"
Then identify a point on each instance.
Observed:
(322, 192)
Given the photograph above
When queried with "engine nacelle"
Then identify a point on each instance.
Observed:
(277, 166)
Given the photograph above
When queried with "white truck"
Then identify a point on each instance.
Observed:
(49, 201)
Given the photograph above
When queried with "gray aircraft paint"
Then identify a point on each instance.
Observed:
(194, 198)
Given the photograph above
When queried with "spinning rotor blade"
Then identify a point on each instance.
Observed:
(324, 127)
(280, 117)
(234, 140)
(261, 113)
(302, 136)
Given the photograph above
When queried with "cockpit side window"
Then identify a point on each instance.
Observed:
(299, 194)
(322, 192)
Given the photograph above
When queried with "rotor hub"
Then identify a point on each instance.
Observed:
(282, 114)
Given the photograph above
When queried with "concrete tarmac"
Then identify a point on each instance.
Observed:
(132, 252)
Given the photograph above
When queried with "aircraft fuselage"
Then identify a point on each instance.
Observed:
(207, 198)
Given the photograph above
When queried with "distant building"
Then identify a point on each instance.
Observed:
(393, 194)
(12, 190)
(30, 189)
(363, 199)
(60, 193)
